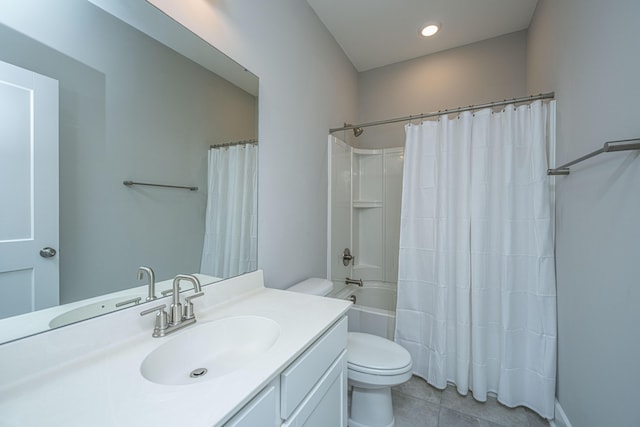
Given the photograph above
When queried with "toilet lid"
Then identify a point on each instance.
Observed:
(376, 355)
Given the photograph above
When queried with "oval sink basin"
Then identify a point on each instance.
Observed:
(210, 350)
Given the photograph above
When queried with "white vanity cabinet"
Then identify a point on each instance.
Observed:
(311, 391)
(326, 403)
(261, 411)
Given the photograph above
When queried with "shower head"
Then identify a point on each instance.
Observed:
(356, 131)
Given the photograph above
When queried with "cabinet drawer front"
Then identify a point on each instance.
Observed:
(326, 404)
(299, 378)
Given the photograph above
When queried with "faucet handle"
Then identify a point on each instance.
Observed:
(135, 301)
(169, 291)
(188, 307)
(161, 319)
(159, 308)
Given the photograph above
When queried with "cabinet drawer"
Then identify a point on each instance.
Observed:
(299, 378)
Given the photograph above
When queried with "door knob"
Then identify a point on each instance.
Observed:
(47, 252)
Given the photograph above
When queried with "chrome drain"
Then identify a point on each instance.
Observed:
(197, 373)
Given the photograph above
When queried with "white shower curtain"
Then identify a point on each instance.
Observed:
(476, 282)
(230, 241)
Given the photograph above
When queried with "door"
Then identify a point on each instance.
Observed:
(339, 226)
(28, 191)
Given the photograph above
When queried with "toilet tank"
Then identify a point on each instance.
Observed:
(313, 286)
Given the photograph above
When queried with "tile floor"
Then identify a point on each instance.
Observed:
(417, 404)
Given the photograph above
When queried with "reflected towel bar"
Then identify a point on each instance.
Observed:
(130, 183)
(611, 146)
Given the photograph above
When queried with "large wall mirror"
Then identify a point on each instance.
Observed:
(94, 93)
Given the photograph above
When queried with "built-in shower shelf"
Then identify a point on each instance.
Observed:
(367, 204)
(366, 266)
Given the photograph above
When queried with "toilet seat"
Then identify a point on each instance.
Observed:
(380, 372)
(374, 355)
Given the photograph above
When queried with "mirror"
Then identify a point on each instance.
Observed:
(142, 99)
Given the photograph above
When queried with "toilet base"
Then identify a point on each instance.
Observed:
(371, 407)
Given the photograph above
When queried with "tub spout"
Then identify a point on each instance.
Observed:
(349, 281)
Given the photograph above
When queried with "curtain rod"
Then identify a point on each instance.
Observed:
(549, 95)
(231, 144)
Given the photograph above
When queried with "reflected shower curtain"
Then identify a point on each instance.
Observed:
(476, 282)
(230, 240)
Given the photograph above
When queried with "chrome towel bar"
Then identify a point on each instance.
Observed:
(130, 183)
(608, 147)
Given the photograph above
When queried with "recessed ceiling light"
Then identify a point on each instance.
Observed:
(430, 29)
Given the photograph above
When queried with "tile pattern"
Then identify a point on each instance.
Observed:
(417, 404)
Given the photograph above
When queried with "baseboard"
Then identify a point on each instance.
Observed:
(560, 419)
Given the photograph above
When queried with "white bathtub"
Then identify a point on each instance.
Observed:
(374, 309)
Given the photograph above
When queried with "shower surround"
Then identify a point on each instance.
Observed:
(364, 216)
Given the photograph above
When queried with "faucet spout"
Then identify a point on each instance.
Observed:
(167, 323)
(151, 277)
(349, 281)
(175, 314)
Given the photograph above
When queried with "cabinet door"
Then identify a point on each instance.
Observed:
(326, 404)
(262, 411)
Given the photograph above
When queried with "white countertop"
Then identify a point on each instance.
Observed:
(88, 373)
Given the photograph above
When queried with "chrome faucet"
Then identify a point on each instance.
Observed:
(175, 311)
(349, 281)
(167, 323)
(151, 281)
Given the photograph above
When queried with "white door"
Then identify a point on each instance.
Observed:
(28, 191)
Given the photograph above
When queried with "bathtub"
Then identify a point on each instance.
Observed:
(374, 308)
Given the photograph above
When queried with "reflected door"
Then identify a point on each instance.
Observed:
(29, 266)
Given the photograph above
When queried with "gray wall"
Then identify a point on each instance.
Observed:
(307, 85)
(481, 72)
(130, 109)
(587, 51)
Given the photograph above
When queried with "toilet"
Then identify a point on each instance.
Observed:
(374, 365)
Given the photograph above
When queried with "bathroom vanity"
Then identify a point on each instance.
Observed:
(312, 390)
(272, 357)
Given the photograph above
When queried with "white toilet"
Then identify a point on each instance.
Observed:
(374, 365)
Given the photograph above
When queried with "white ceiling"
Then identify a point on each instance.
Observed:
(374, 33)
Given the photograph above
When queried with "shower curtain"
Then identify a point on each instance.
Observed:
(230, 240)
(476, 282)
